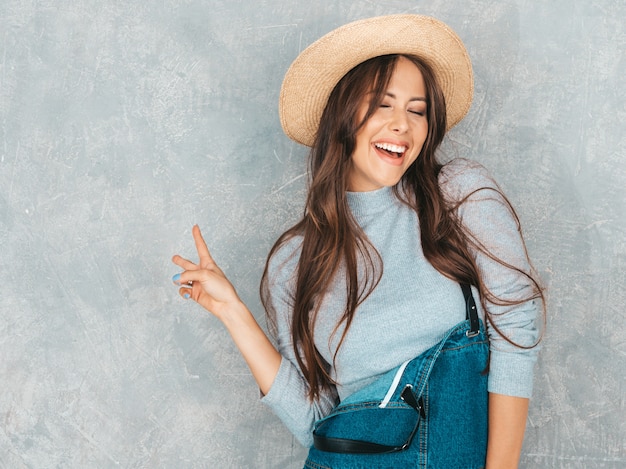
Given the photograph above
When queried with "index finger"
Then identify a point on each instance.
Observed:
(201, 247)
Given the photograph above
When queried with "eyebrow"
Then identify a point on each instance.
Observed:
(417, 98)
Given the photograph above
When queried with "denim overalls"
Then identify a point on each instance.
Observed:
(430, 412)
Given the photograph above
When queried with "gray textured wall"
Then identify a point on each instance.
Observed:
(124, 122)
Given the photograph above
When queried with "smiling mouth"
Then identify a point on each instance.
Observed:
(394, 151)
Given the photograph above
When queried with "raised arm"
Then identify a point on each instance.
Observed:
(206, 284)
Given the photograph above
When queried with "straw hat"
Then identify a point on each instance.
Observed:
(315, 72)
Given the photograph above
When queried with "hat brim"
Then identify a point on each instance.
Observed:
(315, 72)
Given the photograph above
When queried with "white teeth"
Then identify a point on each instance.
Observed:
(391, 147)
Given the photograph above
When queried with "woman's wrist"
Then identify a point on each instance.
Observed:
(235, 316)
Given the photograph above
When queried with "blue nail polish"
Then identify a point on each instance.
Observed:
(186, 296)
(176, 279)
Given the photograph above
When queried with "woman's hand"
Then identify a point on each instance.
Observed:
(205, 282)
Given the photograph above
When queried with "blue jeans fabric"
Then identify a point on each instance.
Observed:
(451, 378)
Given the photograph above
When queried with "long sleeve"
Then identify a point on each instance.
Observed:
(487, 216)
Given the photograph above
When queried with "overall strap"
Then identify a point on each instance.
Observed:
(471, 313)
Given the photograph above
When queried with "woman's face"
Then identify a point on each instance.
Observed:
(392, 138)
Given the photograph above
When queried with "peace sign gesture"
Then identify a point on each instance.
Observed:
(205, 282)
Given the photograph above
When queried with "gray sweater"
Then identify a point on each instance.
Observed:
(412, 306)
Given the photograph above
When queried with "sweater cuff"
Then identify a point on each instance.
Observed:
(511, 374)
(273, 396)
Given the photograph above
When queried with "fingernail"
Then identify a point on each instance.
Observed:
(186, 296)
(176, 279)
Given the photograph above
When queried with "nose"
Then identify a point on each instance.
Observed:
(399, 121)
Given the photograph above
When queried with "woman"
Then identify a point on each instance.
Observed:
(369, 278)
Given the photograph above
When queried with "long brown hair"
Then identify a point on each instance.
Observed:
(330, 235)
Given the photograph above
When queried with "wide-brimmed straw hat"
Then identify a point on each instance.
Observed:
(315, 72)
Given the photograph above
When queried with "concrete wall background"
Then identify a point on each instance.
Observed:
(123, 123)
